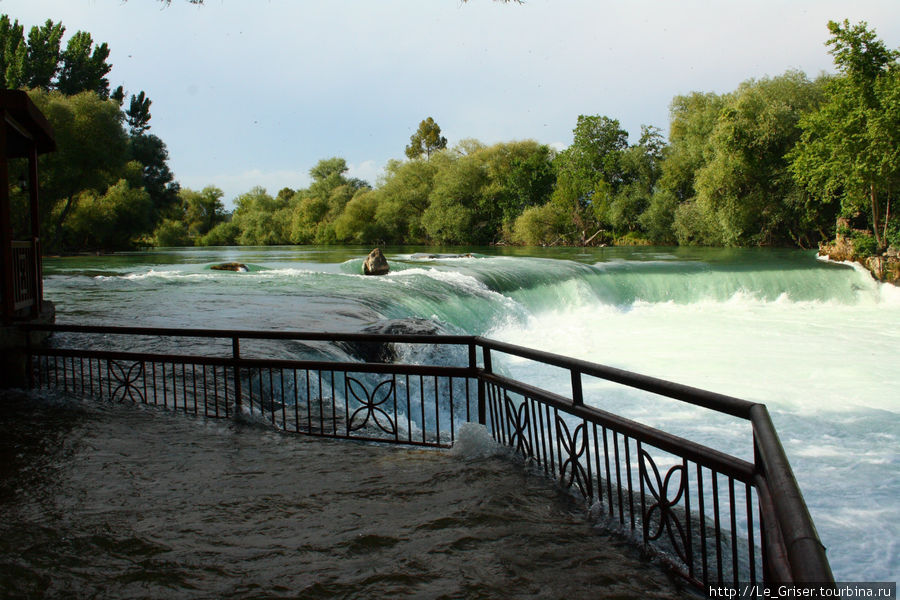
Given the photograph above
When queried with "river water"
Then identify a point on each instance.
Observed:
(817, 342)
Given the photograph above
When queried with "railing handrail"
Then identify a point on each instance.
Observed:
(805, 551)
(316, 336)
(708, 457)
(696, 396)
(771, 473)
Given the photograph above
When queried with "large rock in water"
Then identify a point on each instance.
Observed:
(230, 266)
(376, 263)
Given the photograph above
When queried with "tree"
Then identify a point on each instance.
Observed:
(159, 181)
(589, 172)
(13, 53)
(42, 63)
(640, 166)
(426, 140)
(745, 188)
(357, 223)
(137, 117)
(112, 220)
(848, 148)
(91, 154)
(261, 219)
(84, 66)
(402, 197)
(203, 210)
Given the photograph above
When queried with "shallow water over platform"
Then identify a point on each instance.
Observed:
(197, 508)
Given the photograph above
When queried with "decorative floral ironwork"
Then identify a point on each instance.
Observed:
(127, 378)
(518, 417)
(661, 489)
(575, 445)
(371, 405)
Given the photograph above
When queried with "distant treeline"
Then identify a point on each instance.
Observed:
(774, 162)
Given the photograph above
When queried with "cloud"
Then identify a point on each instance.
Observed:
(367, 170)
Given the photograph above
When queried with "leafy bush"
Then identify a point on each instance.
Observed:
(864, 245)
(893, 234)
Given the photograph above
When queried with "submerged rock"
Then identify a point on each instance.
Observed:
(376, 263)
(386, 352)
(230, 266)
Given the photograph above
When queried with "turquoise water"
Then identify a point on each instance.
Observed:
(817, 342)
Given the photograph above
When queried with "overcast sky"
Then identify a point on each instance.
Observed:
(255, 92)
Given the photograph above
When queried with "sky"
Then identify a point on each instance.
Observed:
(255, 92)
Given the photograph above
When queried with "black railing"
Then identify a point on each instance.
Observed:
(717, 519)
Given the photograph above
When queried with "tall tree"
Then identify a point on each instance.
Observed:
(137, 117)
(13, 53)
(745, 188)
(91, 155)
(848, 148)
(84, 66)
(42, 64)
(159, 181)
(589, 172)
(426, 140)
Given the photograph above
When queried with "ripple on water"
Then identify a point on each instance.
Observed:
(106, 500)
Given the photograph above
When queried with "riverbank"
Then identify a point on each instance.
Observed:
(884, 268)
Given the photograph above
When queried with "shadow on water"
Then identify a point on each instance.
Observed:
(197, 508)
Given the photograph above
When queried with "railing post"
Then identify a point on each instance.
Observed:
(577, 394)
(482, 392)
(236, 358)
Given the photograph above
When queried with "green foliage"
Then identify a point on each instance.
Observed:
(82, 181)
(893, 234)
(193, 217)
(426, 140)
(223, 234)
(477, 195)
(172, 233)
(743, 185)
(261, 219)
(357, 223)
(84, 66)
(111, 220)
(864, 245)
(402, 198)
(542, 225)
(848, 151)
(13, 53)
(42, 63)
(658, 219)
(138, 114)
(156, 177)
(91, 155)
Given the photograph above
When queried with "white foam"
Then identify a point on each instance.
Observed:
(474, 441)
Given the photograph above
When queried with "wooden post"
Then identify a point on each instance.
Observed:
(6, 257)
(37, 270)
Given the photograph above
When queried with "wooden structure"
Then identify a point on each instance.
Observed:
(25, 133)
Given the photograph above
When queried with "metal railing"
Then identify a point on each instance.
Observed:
(715, 518)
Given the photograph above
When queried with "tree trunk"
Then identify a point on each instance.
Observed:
(57, 235)
(876, 220)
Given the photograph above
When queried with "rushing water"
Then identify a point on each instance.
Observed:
(817, 342)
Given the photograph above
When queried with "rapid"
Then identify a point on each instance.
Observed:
(815, 341)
